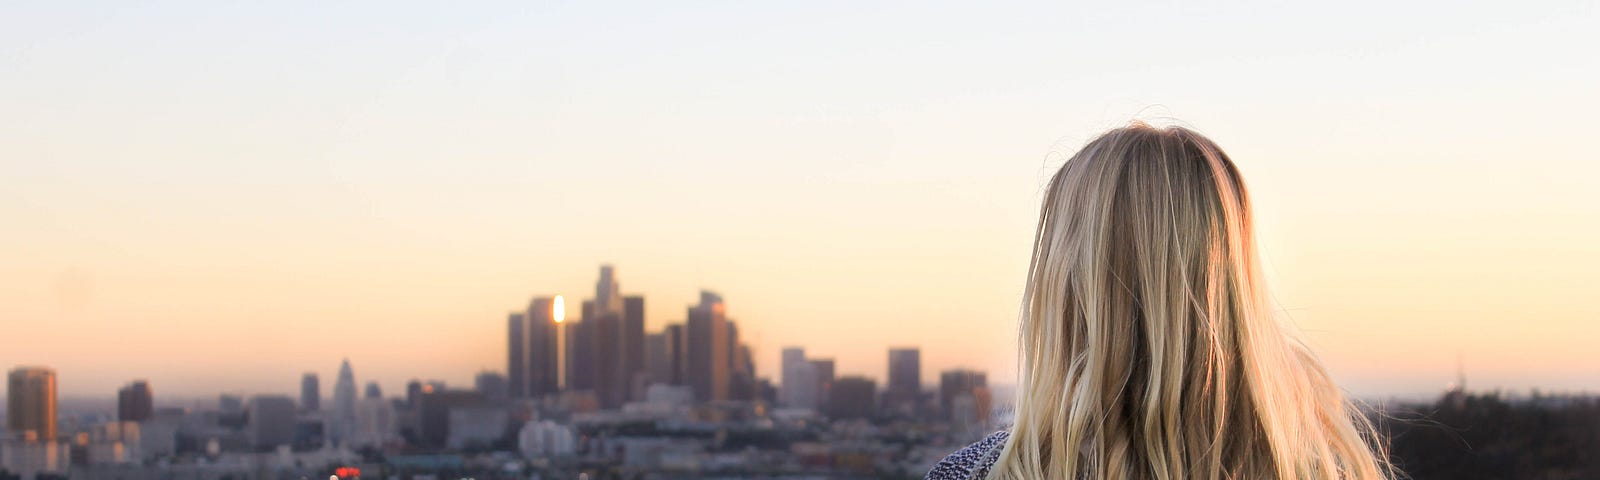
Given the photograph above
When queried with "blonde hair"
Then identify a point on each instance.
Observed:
(1148, 346)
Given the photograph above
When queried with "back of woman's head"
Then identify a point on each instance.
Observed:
(1148, 346)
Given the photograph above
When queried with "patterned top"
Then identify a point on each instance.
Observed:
(972, 462)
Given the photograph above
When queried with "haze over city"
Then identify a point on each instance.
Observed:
(218, 198)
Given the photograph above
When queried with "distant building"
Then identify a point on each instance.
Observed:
(31, 403)
(343, 423)
(545, 439)
(658, 358)
(798, 385)
(610, 381)
(543, 365)
(633, 366)
(957, 382)
(742, 383)
(678, 353)
(607, 351)
(135, 402)
(272, 421)
(28, 458)
(230, 403)
(824, 370)
(373, 390)
(376, 423)
(708, 348)
(972, 409)
(904, 391)
(517, 354)
(310, 393)
(582, 351)
(492, 385)
(477, 426)
(852, 397)
(434, 413)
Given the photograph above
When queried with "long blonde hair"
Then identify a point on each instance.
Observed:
(1147, 343)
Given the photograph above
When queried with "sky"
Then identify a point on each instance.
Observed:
(219, 196)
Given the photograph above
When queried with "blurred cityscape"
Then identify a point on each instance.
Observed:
(599, 397)
(595, 397)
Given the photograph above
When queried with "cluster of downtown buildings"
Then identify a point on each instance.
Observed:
(596, 395)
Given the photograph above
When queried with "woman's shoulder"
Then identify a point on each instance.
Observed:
(972, 462)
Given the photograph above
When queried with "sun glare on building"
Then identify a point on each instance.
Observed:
(558, 309)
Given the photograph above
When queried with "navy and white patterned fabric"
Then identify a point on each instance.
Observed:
(972, 462)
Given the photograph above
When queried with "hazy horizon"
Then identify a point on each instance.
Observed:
(221, 197)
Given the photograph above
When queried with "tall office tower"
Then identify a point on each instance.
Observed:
(608, 344)
(852, 397)
(310, 393)
(733, 348)
(736, 390)
(741, 368)
(633, 345)
(414, 389)
(957, 382)
(904, 391)
(375, 423)
(517, 355)
(581, 351)
(271, 421)
(373, 390)
(610, 381)
(708, 348)
(492, 385)
(658, 358)
(542, 371)
(31, 403)
(678, 346)
(798, 380)
(135, 402)
(607, 293)
(344, 403)
(824, 370)
(230, 403)
(434, 413)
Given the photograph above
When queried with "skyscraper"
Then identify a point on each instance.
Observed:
(958, 382)
(373, 390)
(606, 346)
(798, 380)
(658, 358)
(31, 403)
(708, 348)
(582, 350)
(824, 370)
(271, 421)
(344, 403)
(610, 385)
(607, 293)
(542, 370)
(852, 397)
(491, 384)
(516, 355)
(678, 346)
(434, 413)
(633, 346)
(904, 391)
(134, 402)
(310, 392)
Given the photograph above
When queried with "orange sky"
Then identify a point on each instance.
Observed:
(220, 197)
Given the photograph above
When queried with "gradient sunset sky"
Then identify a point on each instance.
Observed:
(219, 197)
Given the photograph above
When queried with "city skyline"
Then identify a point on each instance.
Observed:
(881, 374)
(220, 197)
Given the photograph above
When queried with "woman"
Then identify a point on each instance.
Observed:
(1148, 346)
